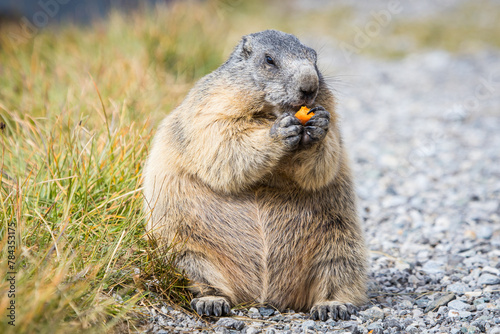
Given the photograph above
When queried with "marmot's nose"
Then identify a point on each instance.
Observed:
(308, 90)
(307, 83)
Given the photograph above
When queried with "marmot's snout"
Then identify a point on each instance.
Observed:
(308, 91)
(308, 84)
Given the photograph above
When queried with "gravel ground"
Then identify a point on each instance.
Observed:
(424, 138)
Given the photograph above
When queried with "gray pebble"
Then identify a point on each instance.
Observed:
(491, 270)
(373, 313)
(458, 288)
(346, 324)
(230, 323)
(309, 324)
(479, 324)
(356, 330)
(414, 280)
(422, 302)
(266, 311)
(277, 318)
(488, 279)
(375, 329)
(478, 301)
(484, 232)
(375, 325)
(433, 267)
(412, 329)
(417, 313)
(222, 330)
(459, 314)
(391, 322)
(476, 261)
(406, 304)
(254, 313)
(485, 306)
(459, 305)
(252, 330)
(443, 300)
(253, 310)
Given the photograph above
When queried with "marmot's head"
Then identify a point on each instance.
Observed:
(280, 66)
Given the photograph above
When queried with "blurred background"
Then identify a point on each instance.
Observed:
(184, 40)
(84, 84)
(39, 12)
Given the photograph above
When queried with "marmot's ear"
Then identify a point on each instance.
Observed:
(246, 46)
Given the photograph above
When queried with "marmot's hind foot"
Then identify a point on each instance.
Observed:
(334, 310)
(211, 305)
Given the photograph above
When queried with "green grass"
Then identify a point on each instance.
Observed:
(72, 194)
(80, 106)
(79, 109)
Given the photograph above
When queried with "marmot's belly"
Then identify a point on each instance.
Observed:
(277, 271)
(264, 251)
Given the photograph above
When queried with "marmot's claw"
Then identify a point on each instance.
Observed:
(217, 309)
(311, 135)
(353, 310)
(320, 113)
(293, 130)
(287, 119)
(211, 305)
(292, 142)
(198, 305)
(316, 128)
(317, 110)
(289, 129)
(321, 313)
(334, 310)
(226, 308)
(319, 122)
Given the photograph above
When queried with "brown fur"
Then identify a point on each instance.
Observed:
(260, 223)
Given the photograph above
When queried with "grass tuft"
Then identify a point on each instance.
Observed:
(79, 108)
(72, 198)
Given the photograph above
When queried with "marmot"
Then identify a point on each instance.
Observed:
(265, 206)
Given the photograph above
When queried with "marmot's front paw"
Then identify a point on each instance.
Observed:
(315, 129)
(334, 310)
(211, 305)
(288, 129)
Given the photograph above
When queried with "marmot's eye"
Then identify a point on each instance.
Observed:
(269, 60)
